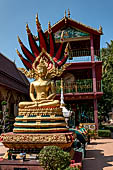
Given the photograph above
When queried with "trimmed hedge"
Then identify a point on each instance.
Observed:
(104, 127)
(104, 133)
(110, 128)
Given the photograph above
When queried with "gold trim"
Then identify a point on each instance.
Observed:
(38, 124)
(39, 118)
(74, 39)
(40, 130)
(34, 146)
(75, 27)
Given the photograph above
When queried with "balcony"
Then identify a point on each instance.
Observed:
(80, 86)
(82, 56)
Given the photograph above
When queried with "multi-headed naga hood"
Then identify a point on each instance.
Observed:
(45, 50)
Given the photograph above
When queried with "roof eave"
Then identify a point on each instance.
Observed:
(70, 22)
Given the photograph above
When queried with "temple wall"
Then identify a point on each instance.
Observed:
(12, 98)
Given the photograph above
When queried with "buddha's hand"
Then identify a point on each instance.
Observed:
(36, 102)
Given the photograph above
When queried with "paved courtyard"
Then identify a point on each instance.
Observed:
(99, 155)
(2, 150)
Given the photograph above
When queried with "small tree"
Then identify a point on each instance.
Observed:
(54, 158)
(106, 102)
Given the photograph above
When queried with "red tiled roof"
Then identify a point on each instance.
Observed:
(11, 77)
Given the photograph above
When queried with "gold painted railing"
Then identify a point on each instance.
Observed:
(80, 86)
(83, 55)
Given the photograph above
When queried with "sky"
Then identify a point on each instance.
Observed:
(15, 14)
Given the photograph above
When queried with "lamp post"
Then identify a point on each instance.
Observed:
(66, 113)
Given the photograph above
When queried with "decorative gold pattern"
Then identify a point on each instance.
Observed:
(36, 140)
(54, 73)
(35, 146)
(40, 111)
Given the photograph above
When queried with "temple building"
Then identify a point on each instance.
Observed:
(14, 86)
(82, 79)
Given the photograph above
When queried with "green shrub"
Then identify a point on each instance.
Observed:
(3, 103)
(104, 133)
(109, 127)
(106, 127)
(54, 158)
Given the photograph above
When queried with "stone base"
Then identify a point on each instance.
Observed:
(20, 165)
(35, 141)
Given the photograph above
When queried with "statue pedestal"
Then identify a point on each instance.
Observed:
(31, 142)
(38, 127)
(19, 164)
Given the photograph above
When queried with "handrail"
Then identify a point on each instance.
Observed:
(79, 86)
(82, 55)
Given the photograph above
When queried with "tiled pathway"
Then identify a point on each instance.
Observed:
(99, 155)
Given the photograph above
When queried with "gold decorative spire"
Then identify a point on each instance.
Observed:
(38, 23)
(37, 20)
(67, 48)
(49, 27)
(20, 42)
(68, 13)
(27, 29)
(17, 52)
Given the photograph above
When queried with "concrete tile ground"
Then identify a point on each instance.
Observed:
(99, 155)
(3, 150)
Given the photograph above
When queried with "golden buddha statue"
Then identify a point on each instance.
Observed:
(44, 89)
(40, 122)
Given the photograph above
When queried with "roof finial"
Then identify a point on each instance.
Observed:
(65, 14)
(65, 17)
(68, 13)
(100, 29)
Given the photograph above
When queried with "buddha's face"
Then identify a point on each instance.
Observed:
(41, 71)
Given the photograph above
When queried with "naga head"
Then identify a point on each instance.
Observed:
(46, 51)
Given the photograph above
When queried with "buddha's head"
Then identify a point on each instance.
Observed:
(42, 69)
